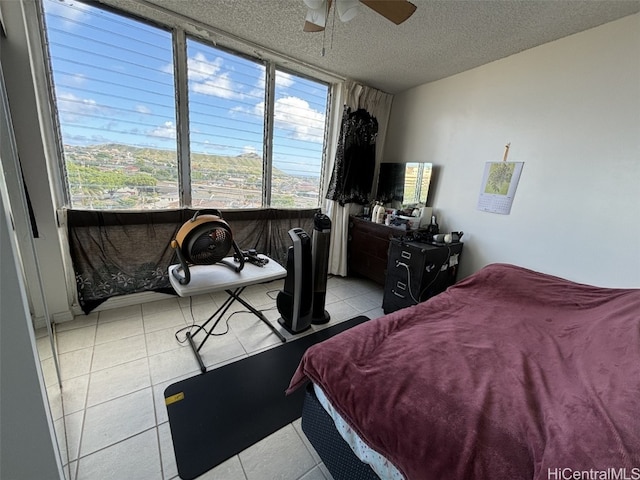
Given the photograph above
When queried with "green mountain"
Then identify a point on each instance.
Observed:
(162, 164)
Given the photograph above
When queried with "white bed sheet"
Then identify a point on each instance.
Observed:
(379, 464)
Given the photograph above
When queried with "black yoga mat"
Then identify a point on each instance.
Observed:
(216, 415)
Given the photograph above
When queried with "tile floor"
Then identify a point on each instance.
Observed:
(115, 365)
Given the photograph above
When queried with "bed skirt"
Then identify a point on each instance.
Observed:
(332, 448)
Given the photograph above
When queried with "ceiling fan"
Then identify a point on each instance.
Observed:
(397, 11)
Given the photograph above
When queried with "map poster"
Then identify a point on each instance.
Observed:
(499, 184)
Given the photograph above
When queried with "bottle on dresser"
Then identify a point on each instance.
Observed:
(432, 228)
(374, 212)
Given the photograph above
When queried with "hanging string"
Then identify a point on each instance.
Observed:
(324, 30)
(333, 25)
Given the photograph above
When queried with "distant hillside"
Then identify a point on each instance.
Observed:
(162, 165)
(123, 177)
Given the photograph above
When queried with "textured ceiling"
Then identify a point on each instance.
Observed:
(441, 39)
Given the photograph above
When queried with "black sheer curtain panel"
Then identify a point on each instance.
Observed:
(352, 176)
(118, 253)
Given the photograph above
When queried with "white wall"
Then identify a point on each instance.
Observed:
(571, 110)
(28, 449)
(19, 58)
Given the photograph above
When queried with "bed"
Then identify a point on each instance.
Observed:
(509, 374)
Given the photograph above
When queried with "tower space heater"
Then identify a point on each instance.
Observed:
(295, 300)
(320, 248)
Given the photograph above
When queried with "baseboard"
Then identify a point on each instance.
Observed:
(132, 299)
(110, 304)
(60, 317)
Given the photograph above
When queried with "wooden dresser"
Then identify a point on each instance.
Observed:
(368, 248)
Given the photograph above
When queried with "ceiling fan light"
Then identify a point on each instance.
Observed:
(317, 16)
(347, 9)
(314, 4)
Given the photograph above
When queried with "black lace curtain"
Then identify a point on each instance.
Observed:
(352, 176)
(118, 253)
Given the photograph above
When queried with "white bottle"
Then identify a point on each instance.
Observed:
(381, 213)
(374, 213)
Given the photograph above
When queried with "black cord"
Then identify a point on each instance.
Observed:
(424, 290)
(215, 324)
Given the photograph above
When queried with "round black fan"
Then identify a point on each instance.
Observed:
(205, 239)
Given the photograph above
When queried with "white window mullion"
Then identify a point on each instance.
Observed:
(270, 90)
(182, 116)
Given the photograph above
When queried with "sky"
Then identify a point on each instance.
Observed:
(114, 83)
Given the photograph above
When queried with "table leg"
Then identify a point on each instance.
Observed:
(219, 313)
(258, 314)
(203, 369)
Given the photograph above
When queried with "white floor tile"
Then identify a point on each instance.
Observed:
(78, 322)
(117, 420)
(118, 329)
(363, 303)
(76, 363)
(120, 313)
(184, 302)
(254, 335)
(114, 353)
(220, 349)
(49, 373)
(167, 455)
(76, 339)
(43, 344)
(73, 426)
(229, 470)
(74, 393)
(171, 317)
(160, 306)
(117, 363)
(315, 474)
(280, 456)
(176, 363)
(117, 381)
(341, 311)
(137, 458)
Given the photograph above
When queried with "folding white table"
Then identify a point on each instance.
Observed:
(217, 277)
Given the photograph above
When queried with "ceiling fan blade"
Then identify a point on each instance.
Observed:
(396, 11)
(317, 17)
(312, 27)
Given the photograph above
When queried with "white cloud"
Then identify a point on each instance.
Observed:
(78, 78)
(166, 130)
(207, 79)
(284, 79)
(296, 115)
(143, 109)
(249, 149)
(71, 107)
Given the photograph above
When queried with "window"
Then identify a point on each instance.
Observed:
(115, 90)
(298, 140)
(116, 107)
(226, 128)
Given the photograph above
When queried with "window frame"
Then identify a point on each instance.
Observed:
(182, 29)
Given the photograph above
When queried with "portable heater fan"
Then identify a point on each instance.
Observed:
(204, 239)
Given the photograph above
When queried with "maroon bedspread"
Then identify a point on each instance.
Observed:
(510, 374)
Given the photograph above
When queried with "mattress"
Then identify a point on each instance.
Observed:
(508, 374)
(378, 463)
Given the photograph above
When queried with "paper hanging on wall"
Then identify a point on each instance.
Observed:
(499, 184)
